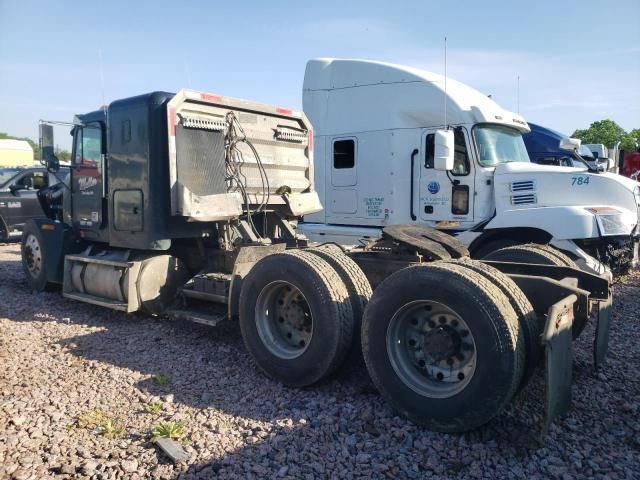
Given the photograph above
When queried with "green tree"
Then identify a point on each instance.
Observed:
(63, 155)
(606, 132)
(631, 141)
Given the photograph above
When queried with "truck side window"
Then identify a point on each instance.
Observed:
(344, 154)
(77, 158)
(430, 147)
(35, 181)
(460, 157)
(91, 146)
(39, 180)
(88, 146)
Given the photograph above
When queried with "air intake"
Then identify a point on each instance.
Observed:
(522, 186)
(524, 199)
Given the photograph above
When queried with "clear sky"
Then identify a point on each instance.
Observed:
(578, 61)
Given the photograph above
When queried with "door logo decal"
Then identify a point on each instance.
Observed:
(433, 187)
(87, 182)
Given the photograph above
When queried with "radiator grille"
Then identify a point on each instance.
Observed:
(200, 160)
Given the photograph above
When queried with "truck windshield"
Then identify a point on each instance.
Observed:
(7, 174)
(499, 144)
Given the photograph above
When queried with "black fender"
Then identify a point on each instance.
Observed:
(58, 240)
(516, 235)
(248, 256)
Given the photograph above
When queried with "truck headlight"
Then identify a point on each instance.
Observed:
(610, 221)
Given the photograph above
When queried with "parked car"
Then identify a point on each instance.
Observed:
(19, 202)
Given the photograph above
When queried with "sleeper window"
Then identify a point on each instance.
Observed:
(344, 154)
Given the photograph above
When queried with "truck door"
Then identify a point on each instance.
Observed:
(88, 187)
(343, 198)
(446, 198)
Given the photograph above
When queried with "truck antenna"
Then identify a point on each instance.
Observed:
(518, 93)
(446, 126)
(101, 75)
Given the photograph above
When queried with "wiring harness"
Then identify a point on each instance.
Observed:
(236, 179)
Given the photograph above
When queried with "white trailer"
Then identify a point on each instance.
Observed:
(375, 124)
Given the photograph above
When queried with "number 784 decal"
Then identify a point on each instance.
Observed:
(579, 181)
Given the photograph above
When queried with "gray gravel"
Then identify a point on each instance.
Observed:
(64, 361)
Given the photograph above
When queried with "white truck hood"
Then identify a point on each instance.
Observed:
(563, 192)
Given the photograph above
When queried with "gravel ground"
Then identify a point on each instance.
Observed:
(64, 364)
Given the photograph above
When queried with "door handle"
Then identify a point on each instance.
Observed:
(413, 215)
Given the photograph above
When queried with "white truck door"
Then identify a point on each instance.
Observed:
(445, 199)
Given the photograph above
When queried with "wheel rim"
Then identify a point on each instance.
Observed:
(431, 349)
(33, 255)
(284, 320)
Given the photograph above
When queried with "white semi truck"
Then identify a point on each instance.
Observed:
(375, 127)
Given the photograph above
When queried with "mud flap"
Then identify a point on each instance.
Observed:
(601, 342)
(557, 341)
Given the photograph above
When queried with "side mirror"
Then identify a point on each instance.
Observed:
(46, 140)
(444, 146)
(18, 187)
(52, 163)
(570, 143)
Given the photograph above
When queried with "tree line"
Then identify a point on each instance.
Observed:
(608, 132)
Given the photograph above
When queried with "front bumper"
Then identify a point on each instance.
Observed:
(619, 253)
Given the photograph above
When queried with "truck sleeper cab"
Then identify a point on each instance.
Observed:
(374, 123)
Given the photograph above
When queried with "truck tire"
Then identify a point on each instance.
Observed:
(530, 325)
(561, 259)
(531, 253)
(540, 254)
(358, 287)
(493, 245)
(33, 257)
(295, 317)
(442, 345)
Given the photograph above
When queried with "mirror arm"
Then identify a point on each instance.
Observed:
(454, 181)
